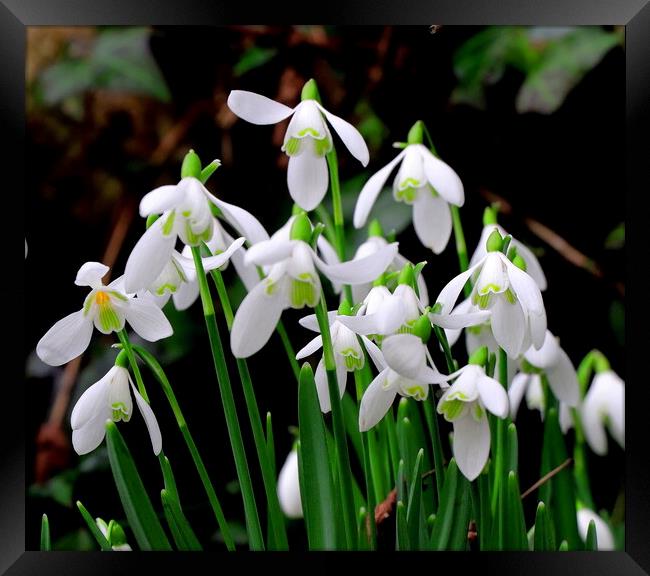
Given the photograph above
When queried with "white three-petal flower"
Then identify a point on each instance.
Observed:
(306, 141)
(424, 181)
(109, 399)
(604, 405)
(107, 307)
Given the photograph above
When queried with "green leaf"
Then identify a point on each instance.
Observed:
(104, 544)
(270, 443)
(591, 543)
(138, 508)
(562, 66)
(485, 515)
(168, 477)
(544, 534)
(46, 543)
(351, 422)
(513, 447)
(616, 238)
(252, 58)
(180, 528)
(515, 526)
(316, 489)
(452, 520)
(414, 510)
(64, 79)
(402, 527)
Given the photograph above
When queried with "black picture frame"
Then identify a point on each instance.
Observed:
(16, 15)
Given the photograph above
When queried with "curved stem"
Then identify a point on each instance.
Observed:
(128, 348)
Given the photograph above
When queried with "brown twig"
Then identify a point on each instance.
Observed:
(547, 477)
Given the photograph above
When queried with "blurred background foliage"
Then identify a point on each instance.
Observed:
(529, 117)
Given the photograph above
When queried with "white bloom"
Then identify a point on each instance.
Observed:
(109, 399)
(604, 535)
(423, 181)
(117, 535)
(292, 281)
(464, 404)
(518, 316)
(406, 368)
(289, 487)
(604, 405)
(348, 354)
(532, 264)
(560, 373)
(185, 214)
(107, 307)
(306, 141)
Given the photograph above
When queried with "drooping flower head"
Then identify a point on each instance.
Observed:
(307, 140)
(289, 487)
(107, 307)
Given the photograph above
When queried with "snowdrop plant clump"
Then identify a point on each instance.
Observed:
(360, 460)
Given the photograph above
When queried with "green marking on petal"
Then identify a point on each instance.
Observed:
(352, 359)
(169, 223)
(186, 213)
(118, 295)
(120, 412)
(107, 316)
(323, 146)
(164, 287)
(477, 412)
(451, 409)
(458, 395)
(270, 287)
(489, 288)
(510, 296)
(309, 132)
(482, 301)
(88, 302)
(292, 147)
(417, 391)
(303, 294)
(433, 191)
(407, 195)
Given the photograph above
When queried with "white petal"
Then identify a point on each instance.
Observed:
(257, 109)
(493, 277)
(66, 340)
(493, 396)
(289, 487)
(350, 136)
(593, 428)
(481, 247)
(563, 380)
(405, 354)
(307, 179)
(535, 394)
(241, 220)
(269, 252)
(449, 294)
(471, 445)
(331, 257)
(432, 221)
(566, 418)
(248, 274)
(256, 319)
(88, 437)
(508, 325)
(310, 348)
(92, 402)
(457, 321)
(147, 320)
(161, 199)
(359, 271)
(604, 535)
(186, 295)
(516, 392)
(150, 421)
(384, 321)
(148, 257)
(91, 274)
(371, 190)
(376, 401)
(212, 262)
(440, 175)
(533, 267)
(322, 387)
(547, 356)
(311, 322)
(375, 353)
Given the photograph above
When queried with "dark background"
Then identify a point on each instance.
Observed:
(96, 145)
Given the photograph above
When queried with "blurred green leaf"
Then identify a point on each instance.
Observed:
(617, 320)
(65, 79)
(370, 125)
(253, 58)
(616, 238)
(563, 64)
(58, 488)
(78, 540)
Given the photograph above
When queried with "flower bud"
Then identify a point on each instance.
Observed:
(489, 216)
(407, 275)
(494, 242)
(375, 229)
(191, 165)
(310, 91)
(422, 328)
(416, 133)
(301, 228)
(479, 357)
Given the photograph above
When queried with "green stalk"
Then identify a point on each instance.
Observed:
(268, 476)
(253, 526)
(343, 458)
(288, 348)
(126, 345)
(499, 488)
(160, 375)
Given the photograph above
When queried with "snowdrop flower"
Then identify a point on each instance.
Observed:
(289, 487)
(406, 368)
(114, 533)
(348, 353)
(518, 316)
(559, 371)
(306, 142)
(423, 181)
(107, 307)
(109, 399)
(603, 406)
(25, 247)
(532, 264)
(604, 535)
(185, 214)
(464, 404)
(292, 282)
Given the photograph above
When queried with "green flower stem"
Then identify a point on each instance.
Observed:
(288, 348)
(160, 375)
(268, 475)
(128, 348)
(500, 475)
(254, 528)
(337, 207)
(343, 457)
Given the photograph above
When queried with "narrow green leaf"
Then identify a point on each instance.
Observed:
(513, 448)
(270, 443)
(544, 534)
(564, 546)
(168, 477)
(362, 529)
(452, 520)
(94, 529)
(316, 487)
(591, 543)
(402, 527)
(351, 421)
(46, 544)
(138, 508)
(485, 516)
(180, 528)
(461, 517)
(514, 537)
(413, 513)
